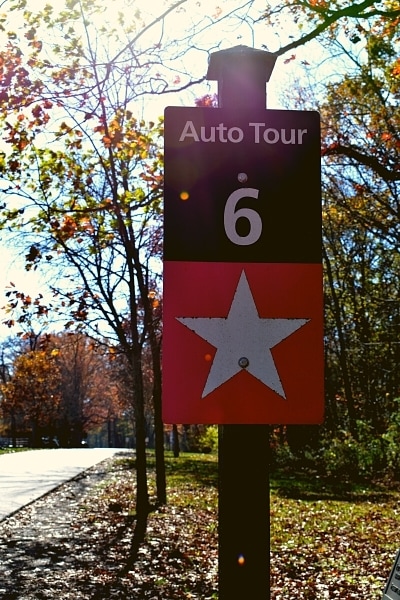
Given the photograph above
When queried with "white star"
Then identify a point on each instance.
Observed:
(243, 340)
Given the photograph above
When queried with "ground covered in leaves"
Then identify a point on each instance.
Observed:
(327, 541)
(74, 543)
(332, 539)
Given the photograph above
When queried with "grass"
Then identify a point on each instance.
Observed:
(12, 450)
(329, 539)
(191, 478)
(332, 546)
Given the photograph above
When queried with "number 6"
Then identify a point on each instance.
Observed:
(231, 217)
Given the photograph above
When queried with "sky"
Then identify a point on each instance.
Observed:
(230, 33)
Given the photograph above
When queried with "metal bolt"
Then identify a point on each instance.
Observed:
(243, 362)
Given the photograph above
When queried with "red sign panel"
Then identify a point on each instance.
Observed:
(289, 385)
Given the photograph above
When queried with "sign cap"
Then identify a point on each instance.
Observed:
(223, 62)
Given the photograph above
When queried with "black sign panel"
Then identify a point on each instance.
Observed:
(242, 186)
(392, 589)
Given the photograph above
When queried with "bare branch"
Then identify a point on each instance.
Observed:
(338, 149)
(353, 11)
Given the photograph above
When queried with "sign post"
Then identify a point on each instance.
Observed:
(243, 325)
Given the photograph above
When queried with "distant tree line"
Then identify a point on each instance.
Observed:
(59, 390)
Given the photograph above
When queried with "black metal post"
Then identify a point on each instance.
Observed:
(244, 522)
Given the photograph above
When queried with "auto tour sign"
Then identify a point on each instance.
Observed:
(242, 308)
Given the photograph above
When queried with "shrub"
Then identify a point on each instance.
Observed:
(208, 440)
(391, 441)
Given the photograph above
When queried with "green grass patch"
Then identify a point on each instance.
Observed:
(198, 470)
(192, 481)
(13, 450)
(308, 485)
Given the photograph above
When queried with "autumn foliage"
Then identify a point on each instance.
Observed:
(31, 399)
(65, 388)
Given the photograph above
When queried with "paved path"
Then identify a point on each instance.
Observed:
(25, 476)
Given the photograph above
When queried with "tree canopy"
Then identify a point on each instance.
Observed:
(317, 18)
(82, 172)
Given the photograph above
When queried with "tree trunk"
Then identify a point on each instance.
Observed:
(175, 441)
(342, 352)
(13, 430)
(142, 495)
(158, 424)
